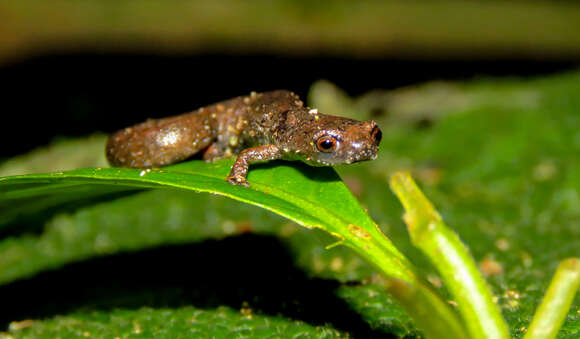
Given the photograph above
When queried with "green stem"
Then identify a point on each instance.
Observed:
(430, 313)
(448, 254)
(556, 303)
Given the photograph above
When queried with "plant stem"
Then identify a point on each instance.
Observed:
(429, 312)
(448, 254)
(556, 303)
(432, 315)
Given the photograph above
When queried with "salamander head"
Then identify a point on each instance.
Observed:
(335, 140)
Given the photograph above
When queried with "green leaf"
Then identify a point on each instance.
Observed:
(185, 322)
(312, 197)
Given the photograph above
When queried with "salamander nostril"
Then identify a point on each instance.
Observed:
(377, 134)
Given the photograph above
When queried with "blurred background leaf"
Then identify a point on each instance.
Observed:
(545, 29)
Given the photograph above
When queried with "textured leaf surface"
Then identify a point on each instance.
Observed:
(186, 322)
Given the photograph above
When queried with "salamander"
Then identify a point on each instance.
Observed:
(256, 127)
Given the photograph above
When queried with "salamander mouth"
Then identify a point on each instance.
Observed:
(345, 156)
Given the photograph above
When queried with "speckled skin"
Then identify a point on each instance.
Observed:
(258, 127)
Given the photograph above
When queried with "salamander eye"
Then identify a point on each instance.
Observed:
(326, 143)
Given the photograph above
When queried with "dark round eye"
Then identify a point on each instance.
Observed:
(326, 143)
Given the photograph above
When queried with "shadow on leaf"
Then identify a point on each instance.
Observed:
(244, 271)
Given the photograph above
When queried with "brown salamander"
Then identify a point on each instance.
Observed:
(257, 127)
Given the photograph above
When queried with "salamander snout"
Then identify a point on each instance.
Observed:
(361, 142)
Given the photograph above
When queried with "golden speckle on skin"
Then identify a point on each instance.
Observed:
(220, 107)
(358, 231)
(168, 137)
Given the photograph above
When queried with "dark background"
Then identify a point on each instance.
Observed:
(75, 94)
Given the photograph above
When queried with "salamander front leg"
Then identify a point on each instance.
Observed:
(246, 157)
